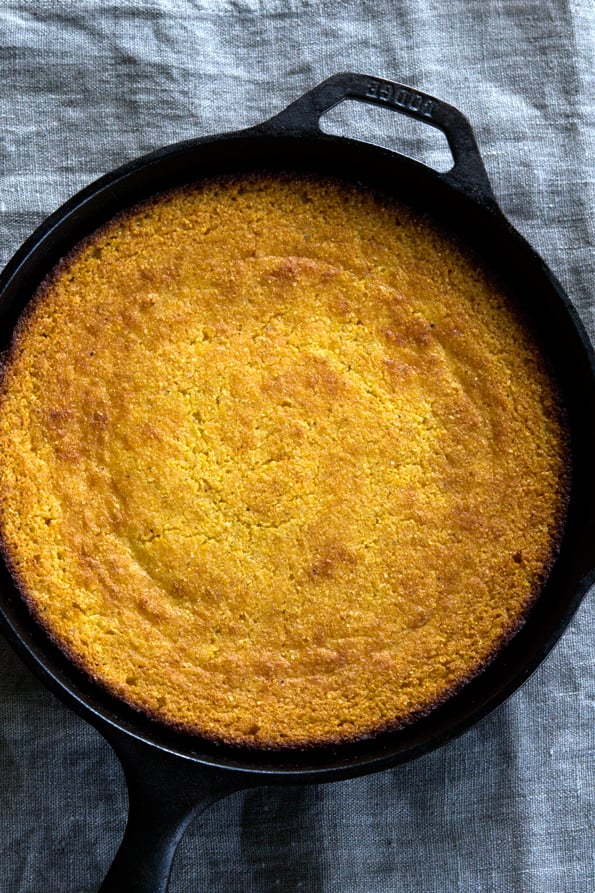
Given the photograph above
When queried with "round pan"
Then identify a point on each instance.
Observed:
(172, 776)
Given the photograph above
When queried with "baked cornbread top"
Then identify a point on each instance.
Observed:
(281, 465)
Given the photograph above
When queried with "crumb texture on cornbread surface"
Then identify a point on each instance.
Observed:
(281, 464)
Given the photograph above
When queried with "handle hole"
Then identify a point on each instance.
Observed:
(391, 130)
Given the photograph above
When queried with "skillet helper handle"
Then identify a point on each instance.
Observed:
(468, 174)
(164, 796)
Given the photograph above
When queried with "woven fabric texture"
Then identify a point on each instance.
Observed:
(87, 86)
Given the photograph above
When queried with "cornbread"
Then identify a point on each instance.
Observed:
(281, 463)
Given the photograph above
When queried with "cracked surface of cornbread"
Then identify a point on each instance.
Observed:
(281, 463)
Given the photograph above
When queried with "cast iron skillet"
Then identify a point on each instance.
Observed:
(171, 776)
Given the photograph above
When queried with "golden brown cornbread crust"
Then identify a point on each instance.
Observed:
(281, 465)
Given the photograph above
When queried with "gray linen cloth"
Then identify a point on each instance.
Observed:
(88, 85)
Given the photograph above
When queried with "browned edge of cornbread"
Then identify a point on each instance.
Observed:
(248, 742)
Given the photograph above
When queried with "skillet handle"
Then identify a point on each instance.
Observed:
(468, 173)
(165, 793)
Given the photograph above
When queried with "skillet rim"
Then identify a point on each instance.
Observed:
(320, 763)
